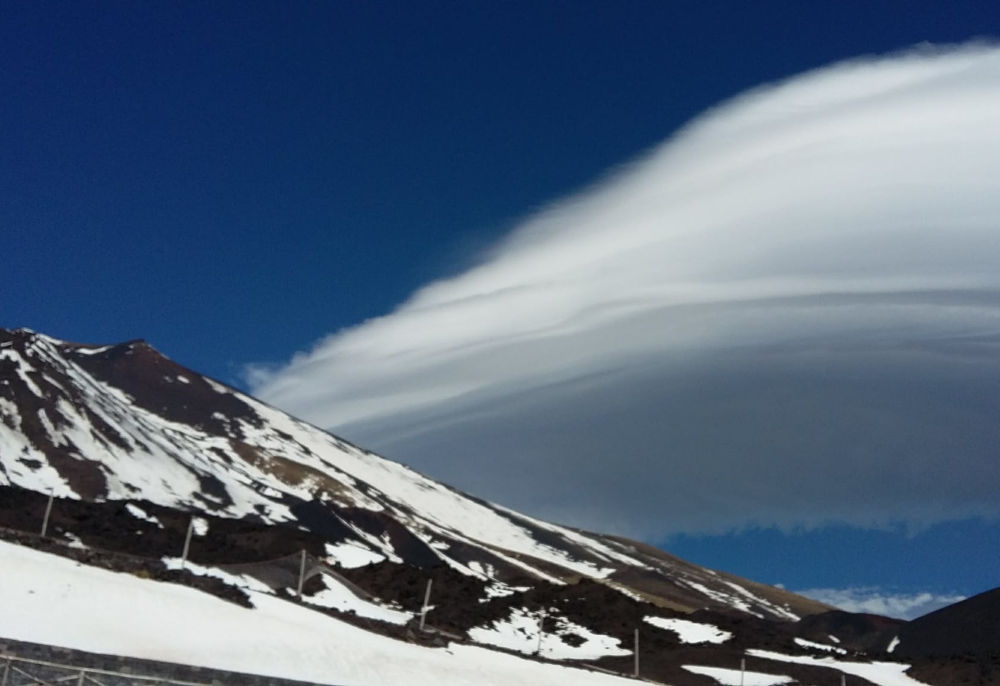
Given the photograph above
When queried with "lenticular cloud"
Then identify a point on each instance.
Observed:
(778, 308)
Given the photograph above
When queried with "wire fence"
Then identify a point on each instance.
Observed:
(20, 671)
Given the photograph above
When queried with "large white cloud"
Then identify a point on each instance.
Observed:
(788, 313)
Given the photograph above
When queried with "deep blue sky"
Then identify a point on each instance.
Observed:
(232, 181)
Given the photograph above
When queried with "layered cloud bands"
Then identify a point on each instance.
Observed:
(788, 313)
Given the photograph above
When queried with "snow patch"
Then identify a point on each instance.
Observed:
(200, 526)
(351, 555)
(337, 596)
(73, 541)
(92, 351)
(519, 632)
(690, 632)
(244, 581)
(820, 646)
(139, 513)
(721, 597)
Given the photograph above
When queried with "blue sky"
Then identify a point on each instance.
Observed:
(239, 181)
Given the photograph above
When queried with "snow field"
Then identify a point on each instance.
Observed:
(881, 673)
(734, 677)
(53, 600)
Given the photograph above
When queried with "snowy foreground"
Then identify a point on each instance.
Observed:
(53, 600)
(50, 599)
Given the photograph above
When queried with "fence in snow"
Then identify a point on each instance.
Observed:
(278, 574)
(20, 671)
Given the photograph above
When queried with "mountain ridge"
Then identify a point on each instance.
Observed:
(90, 412)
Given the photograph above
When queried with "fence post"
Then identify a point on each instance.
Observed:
(636, 674)
(6, 672)
(48, 511)
(541, 632)
(427, 600)
(743, 667)
(302, 575)
(79, 682)
(187, 542)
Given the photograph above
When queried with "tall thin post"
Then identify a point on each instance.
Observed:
(79, 682)
(427, 600)
(743, 668)
(48, 511)
(302, 575)
(541, 631)
(6, 672)
(636, 674)
(843, 679)
(187, 542)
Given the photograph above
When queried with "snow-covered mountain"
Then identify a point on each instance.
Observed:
(123, 422)
(308, 557)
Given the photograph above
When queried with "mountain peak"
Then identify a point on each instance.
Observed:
(25, 335)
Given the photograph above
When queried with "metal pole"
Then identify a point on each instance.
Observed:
(187, 542)
(843, 679)
(48, 511)
(636, 675)
(427, 600)
(541, 631)
(743, 668)
(302, 575)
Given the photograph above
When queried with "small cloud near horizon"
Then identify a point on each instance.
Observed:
(876, 601)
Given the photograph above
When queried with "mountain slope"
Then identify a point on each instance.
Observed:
(123, 422)
(970, 627)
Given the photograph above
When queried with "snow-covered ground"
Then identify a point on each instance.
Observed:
(881, 673)
(335, 595)
(50, 599)
(690, 632)
(520, 632)
(338, 597)
(734, 677)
